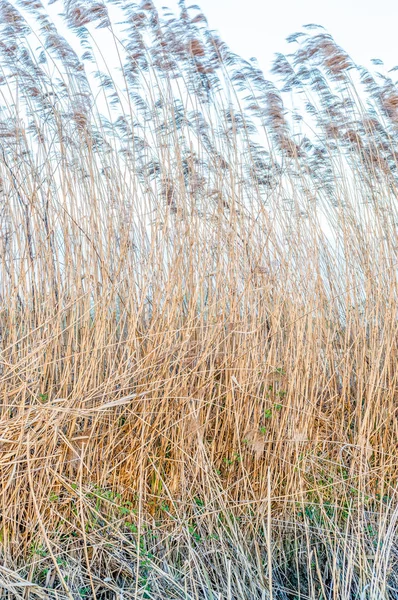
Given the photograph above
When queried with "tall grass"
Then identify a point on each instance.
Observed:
(198, 312)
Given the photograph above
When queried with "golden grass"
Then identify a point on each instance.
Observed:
(198, 324)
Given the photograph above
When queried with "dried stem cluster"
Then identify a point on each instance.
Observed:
(198, 321)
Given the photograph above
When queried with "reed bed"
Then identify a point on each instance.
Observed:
(198, 322)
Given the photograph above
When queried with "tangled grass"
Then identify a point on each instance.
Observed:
(198, 282)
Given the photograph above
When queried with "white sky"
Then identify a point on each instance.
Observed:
(366, 29)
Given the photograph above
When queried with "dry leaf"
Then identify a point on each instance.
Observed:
(364, 444)
(256, 442)
(119, 402)
(299, 436)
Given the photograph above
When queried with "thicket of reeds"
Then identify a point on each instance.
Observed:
(198, 320)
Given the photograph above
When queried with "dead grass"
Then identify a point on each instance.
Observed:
(198, 362)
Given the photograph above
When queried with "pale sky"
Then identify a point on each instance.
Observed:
(366, 29)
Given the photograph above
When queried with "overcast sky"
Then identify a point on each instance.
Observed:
(366, 29)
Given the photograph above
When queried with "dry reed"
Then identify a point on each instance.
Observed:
(198, 282)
